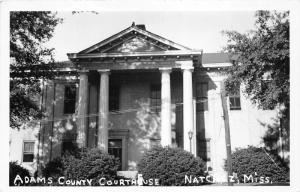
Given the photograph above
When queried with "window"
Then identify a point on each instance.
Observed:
(114, 92)
(201, 96)
(115, 149)
(70, 99)
(204, 149)
(235, 100)
(155, 98)
(28, 151)
(118, 145)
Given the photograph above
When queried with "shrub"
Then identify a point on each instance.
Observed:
(170, 165)
(92, 164)
(16, 169)
(253, 160)
(54, 168)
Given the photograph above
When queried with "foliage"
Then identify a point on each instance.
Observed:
(16, 169)
(87, 164)
(170, 165)
(54, 168)
(261, 60)
(29, 61)
(93, 164)
(253, 160)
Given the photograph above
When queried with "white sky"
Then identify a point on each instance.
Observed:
(197, 30)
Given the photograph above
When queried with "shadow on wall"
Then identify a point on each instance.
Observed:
(277, 139)
(55, 129)
(206, 96)
(144, 125)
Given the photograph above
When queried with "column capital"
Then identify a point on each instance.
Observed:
(187, 68)
(165, 69)
(104, 71)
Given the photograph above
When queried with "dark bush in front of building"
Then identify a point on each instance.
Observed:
(14, 170)
(54, 168)
(87, 164)
(260, 164)
(170, 166)
(92, 164)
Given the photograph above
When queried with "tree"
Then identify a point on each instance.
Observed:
(30, 62)
(261, 62)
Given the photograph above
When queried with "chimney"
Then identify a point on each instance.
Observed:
(141, 26)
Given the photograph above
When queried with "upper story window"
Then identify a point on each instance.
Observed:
(28, 151)
(235, 101)
(201, 96)
(70, 99)
(114, 94)
(155, 98)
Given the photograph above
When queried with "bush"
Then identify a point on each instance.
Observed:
(252, 159)
(54, 168)
(88, 164)
(16, 169)
(170, 165)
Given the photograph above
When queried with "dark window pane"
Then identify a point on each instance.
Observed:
(114, 94)
(70, 99)
(201, 95)
(28, 157)
(231, 101)
(238, 102)
(155, 98)
(204, 149)
(235, 101)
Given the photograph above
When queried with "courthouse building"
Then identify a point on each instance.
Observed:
(134, 90)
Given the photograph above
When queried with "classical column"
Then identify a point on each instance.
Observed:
(166, 132)
(103, 110)
(188, 116)
(82, 108)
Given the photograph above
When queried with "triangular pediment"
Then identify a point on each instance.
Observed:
(136, 44)
(134, 39)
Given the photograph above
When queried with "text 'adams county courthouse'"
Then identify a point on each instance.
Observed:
(134, 90)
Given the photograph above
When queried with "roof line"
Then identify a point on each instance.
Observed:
(134, 28)
(158, 53)
(105, 40)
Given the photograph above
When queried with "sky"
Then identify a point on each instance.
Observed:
(193, 29)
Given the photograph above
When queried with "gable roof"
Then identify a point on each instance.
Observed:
(215, 58)
(134, 31)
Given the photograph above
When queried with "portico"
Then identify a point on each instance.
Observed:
(186, 67)
(136, 51)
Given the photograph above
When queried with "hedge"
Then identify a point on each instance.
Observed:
(88, 164)
(170, 165)
(258, 163)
